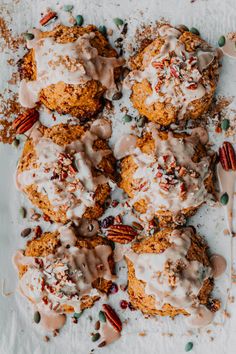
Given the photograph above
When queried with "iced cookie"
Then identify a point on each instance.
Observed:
(167, 174)
(170, 273)
(173, 78)
(65, 171)
(68, 70)
(61, 273)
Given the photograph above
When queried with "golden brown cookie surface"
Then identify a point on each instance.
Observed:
(165, 176)
(47, 255)
(39, 163)
(158, 244)
(169, 81)
(80, 100)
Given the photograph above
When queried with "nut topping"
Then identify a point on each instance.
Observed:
(25, 121)
(227, 156)
(121, 233)
(48, 17)
(112, 317)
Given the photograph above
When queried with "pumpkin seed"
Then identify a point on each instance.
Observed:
(28, 36)
(102, 344)
(112, 244)
(117, 96)
(221, 41)
(79, 20)
(97, 325)
(127, 118)
(118, 21)
(78, 314)
(22, 212)
(194, 31)
(225, 124)
(25, 232)
(189, 346)
(137, 226)
(224, 198)
(68, 8)
(37, 317)
(103, 30)
(102, 316)
(182, 28)
(16, 142)
(95, 337)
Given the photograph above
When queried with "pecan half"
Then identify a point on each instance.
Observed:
(112, 317)
(48, 17)
(227, 156)
(25, 121)
(121, 233)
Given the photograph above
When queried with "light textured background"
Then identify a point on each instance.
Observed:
(18, 334)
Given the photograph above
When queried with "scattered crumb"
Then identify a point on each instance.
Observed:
(142, 334)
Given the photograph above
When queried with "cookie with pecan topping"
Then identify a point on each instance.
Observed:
(174, 77)
(169, 274)
(65, 171)
(68, 69)
(168, 175)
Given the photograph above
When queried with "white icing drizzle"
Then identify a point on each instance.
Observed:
(174, 74)
(227, 183)
(229, 47)
(124, 145)
(168, 179)
(102, 128)
(109, 334)
(170, 277)
(64, 174)
(218, 264)
(63, 278)
(72, 63)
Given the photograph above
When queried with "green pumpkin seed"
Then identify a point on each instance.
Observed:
(225, 124)
(95, 337)
(22, 212)
(103, 30)
(28, 36)
(224, 198)
(112, 244)
(102, 316)
(68, 8)
(194, 31)
(16, 142)
(37, 317)
(118, 21)
(189, 346)
(221, 41)
(127, 118)
(78, 314)
(79, 20)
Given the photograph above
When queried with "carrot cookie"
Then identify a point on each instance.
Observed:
(61, 273)
(168, 175)
(170, 273)
(174, 77)
(65, 171)
(68, 70)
